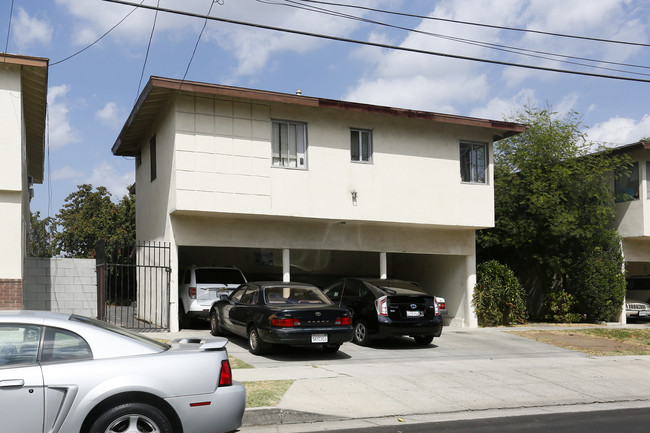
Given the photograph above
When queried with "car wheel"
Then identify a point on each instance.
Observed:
(361, 335)
(255, 343)
(132, 417)
(331, 348)
(423, 339)
(215, 327)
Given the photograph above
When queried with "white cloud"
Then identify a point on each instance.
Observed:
(619, 130)
(110, 115)
(60, 130)
(108, 175)
(66, 172)
(28, 31)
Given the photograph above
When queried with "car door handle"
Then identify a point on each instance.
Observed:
(12, 383)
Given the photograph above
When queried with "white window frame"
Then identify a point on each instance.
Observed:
(289, 144)
(474, 162)
(358, 146)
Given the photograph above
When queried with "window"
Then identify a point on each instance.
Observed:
(626, 187)
(473, 162)
(152, 155)
(360, 145)
(19, 344)
(61, 345)
(251, 296)
(289, 144)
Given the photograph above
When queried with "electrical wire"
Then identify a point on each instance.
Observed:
(146, 57)
(205, 23)
(380, 45)
(504, 48)
(469, 23)
(11, 13)
(99, 39)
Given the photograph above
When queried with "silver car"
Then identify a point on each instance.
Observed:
(67, 373)
(635, 309)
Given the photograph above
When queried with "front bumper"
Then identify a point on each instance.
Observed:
(303, 336)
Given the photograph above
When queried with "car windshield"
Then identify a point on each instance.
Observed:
(217, 275)
(295, 295)
(121, 331)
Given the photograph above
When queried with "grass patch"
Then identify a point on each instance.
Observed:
(595, 341)
(238, 363)
(265, 393)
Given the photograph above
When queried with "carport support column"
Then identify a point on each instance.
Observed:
(286, 265)
(383, 269)
(471, 320)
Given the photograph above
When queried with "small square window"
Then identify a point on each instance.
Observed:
(360, 145)
(473, 162)
(626, 187)
(152, 158)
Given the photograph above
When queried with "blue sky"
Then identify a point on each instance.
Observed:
(91, 94)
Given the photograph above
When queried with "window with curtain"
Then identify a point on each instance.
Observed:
(473, 162)
(289, 144)
(360, 145)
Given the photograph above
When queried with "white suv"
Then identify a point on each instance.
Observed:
(199, 287)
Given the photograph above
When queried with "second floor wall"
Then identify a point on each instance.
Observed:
(633, 197)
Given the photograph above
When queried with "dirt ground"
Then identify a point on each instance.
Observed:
(586, 343)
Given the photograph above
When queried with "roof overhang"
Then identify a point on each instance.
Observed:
(33, 78)
(159, 92)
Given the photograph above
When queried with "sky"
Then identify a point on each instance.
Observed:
(91, 94)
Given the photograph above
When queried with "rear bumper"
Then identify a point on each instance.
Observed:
(388, 327)
(303, 336)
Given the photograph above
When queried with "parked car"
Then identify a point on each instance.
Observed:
(68, 373)
(635, 309)
(282, 313)
(382, 308)
(200, 287)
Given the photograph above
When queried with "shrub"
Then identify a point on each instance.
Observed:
(559, 307)
(499, 298)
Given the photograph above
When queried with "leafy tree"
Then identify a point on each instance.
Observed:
(41, 236)
(499, 298)
(88, 216)
(553, 202)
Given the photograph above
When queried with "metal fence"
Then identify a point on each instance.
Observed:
(133, 285)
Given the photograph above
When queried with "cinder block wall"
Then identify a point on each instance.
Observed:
(62, 285)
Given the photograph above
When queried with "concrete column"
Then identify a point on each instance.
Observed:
(286, 265)
(383, 268)
(471, 320)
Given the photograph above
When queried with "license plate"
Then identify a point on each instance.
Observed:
(643, 313)
(319, 338)
(414, 314)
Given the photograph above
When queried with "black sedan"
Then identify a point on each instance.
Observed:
(274, 312)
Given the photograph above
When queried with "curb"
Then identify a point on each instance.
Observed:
(274, 415)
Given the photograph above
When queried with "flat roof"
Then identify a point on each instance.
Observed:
(33, 81)
(159, 91)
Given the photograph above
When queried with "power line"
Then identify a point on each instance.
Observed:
(11, 13)
(469, 23)
(99, 39)
(504, 48)
(379, 45)
(146, 57)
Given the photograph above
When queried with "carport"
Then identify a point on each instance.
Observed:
(319, 252)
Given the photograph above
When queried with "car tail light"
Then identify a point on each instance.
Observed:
(381, 305)
(191, 292)
(437, 306)
(343, 321)
(225, 378)
(284, 322)
(442, 305)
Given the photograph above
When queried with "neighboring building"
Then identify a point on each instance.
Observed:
(23, 100)
(300, 188)
(633, 219)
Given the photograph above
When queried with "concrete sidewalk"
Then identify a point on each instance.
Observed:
(464, 373)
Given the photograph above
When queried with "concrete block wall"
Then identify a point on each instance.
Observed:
(60, 284)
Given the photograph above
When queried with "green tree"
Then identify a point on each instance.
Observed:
(88, 216)
(499, 298)
(41, 236)
(553, 201)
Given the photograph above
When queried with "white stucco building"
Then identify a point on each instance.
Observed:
(300, 188)
(23, 96)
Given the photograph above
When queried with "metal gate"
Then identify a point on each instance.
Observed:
(133, 285)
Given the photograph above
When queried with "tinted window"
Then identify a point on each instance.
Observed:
(61, 345)
(223, 276)
(19, 344)
(334, 291)
(295, 295)
(121, 331)
(251, 296)
(237, 294)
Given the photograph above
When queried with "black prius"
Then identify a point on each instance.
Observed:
(382, 308)
(274, 312)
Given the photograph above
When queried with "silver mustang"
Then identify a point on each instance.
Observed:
(73, 374)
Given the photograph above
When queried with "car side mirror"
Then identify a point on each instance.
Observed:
(223, 297)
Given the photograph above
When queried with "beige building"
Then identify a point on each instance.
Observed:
(300, 188)
(633, 219)
(23, 100)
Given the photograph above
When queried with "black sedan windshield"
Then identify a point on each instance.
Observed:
(295, 295)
